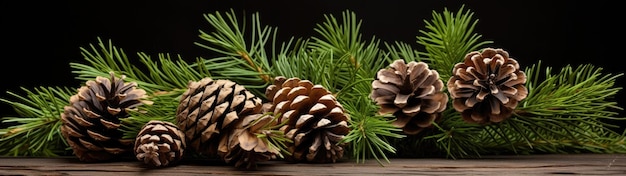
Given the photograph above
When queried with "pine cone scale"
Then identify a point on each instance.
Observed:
(411, 110)
(300, 101)
(89, 146)
(97, 136)
(303, 119)
(110, 125)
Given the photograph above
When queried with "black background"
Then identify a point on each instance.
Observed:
(40, 39)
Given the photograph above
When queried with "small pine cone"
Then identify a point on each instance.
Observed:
(316, 120)
(91, 121)
(487, 86)
(244, 147)
(412, 93)
(160, 144)
(208, 108)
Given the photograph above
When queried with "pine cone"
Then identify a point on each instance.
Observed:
(208, 108)
(487, 86)
(316, 120)
(412, 93)
(244, 147)
(91, 121)
(160, 144)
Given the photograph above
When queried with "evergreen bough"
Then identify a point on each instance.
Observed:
(565, 112)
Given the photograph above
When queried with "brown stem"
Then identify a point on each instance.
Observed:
(353, 61)
(12, 132)
(521, 112)
(245, 56)
(525, 113)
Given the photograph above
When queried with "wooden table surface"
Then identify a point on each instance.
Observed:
(571, 164)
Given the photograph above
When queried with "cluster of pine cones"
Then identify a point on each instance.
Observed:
(485, 88)
(218, 119)
(221, 119)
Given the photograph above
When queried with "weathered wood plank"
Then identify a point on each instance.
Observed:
(580, 164)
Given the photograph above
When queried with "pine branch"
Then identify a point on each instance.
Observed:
(312, 66)
(404, 51)
(566, 108)
(165, 75)
(369, 134)
(564, 111)
(453, 138)
(163, 109)
(583, 91)
(229, 39)
(555, 136)
(348, 65)
(343, 39)
(352, 58)
(36, 130)
(448, 39)
(275, 138)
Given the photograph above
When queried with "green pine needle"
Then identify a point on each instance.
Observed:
(404, 51)
(36, 130)
(271, 134)
(164, 74)
(163, 108)
(567, 111)
(449, 38)
(369, 134)
(251, 61)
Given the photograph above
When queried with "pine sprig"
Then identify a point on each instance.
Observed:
(448, 38)
(251, 62)
(36, 130)
(343, 39)
(271, 135)
(163, 109)
(552, 119)
(352, 57)
(350, 67)
(369, 134)
(164, 74)
(404, 51)
(316, 67)
(565, 113)
(455, 138)
(583, 91)
(518, 136)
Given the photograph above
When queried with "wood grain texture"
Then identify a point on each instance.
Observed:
(572, 164)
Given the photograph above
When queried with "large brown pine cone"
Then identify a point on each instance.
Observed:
(412, 93)
(160, 144)
(316, 120)
(91, 121)
(244, 147)
(208, 109)
(487, 86)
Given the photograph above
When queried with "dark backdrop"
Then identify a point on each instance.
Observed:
(40, 39)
